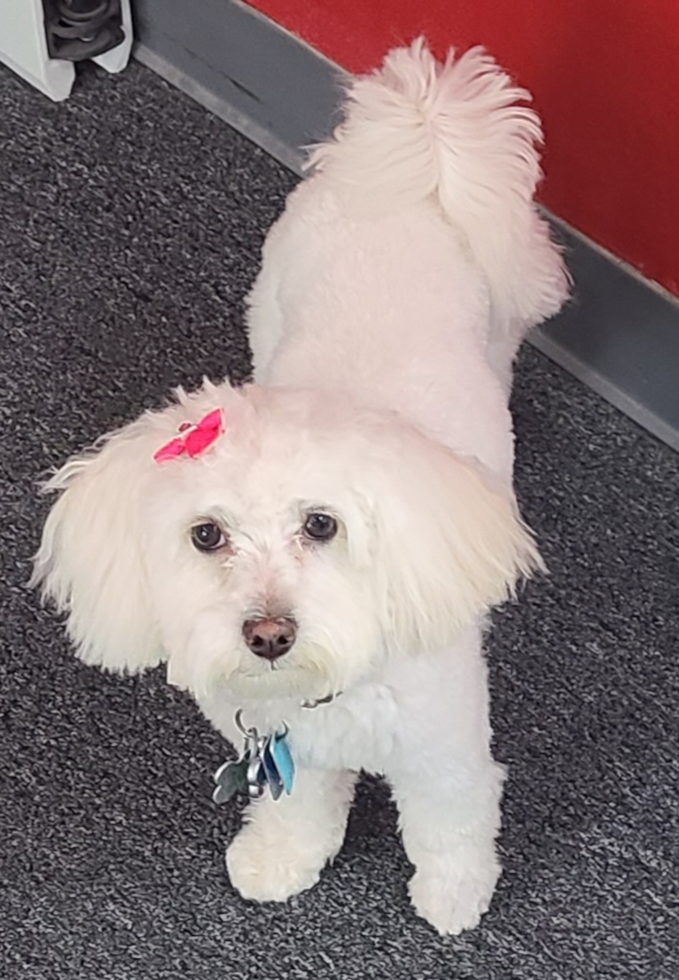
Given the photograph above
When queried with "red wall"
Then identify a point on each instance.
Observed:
(605, 77)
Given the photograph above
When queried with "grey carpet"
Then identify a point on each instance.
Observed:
(130, 228)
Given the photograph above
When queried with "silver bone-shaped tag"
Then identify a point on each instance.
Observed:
(241, 776)
(231, 778)
(247, 774)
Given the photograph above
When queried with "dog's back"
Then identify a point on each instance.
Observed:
(413, 260)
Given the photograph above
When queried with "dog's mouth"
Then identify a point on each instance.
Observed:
(309, 684)
(304, 675)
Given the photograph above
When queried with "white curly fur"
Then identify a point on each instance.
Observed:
(393, 294)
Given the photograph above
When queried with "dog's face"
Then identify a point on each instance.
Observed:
(304, 545)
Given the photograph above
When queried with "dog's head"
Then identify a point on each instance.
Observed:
(303, 545)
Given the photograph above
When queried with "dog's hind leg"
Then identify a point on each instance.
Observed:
(265, 321)
(286, 843)
(264, 314)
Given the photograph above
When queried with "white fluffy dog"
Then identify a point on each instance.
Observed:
(324, 556)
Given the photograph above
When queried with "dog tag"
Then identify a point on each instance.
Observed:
(273, 777)
(256, 772)
(266, 762)
(256, 779)
(231, 778)
(282, 758)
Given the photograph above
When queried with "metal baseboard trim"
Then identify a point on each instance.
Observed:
(611, 392)
(218, 106)
(619, 334)
(263, 81)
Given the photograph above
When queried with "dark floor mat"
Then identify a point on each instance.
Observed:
(130, 229)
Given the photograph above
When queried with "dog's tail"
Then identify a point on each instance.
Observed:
(458, 132)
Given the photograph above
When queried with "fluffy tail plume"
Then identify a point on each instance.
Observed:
(459, 132)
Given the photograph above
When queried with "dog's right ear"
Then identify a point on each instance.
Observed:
(90, 561)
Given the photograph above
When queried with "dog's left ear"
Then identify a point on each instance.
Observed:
(449, 544)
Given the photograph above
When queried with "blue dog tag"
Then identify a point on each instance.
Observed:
(273, 777)
(280, 752)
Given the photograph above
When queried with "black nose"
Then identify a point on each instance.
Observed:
(270, 638)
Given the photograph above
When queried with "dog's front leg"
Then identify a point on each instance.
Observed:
(285, 844)
(449, 835)
(447, 786)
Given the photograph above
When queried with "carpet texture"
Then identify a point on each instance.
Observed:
(130, 228)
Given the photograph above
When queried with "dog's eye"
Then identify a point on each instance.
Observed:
(207, 537)
(320, 527)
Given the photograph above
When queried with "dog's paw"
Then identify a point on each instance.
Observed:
(450, 896)
(273, 869)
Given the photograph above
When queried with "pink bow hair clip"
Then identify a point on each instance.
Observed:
(193, 439)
